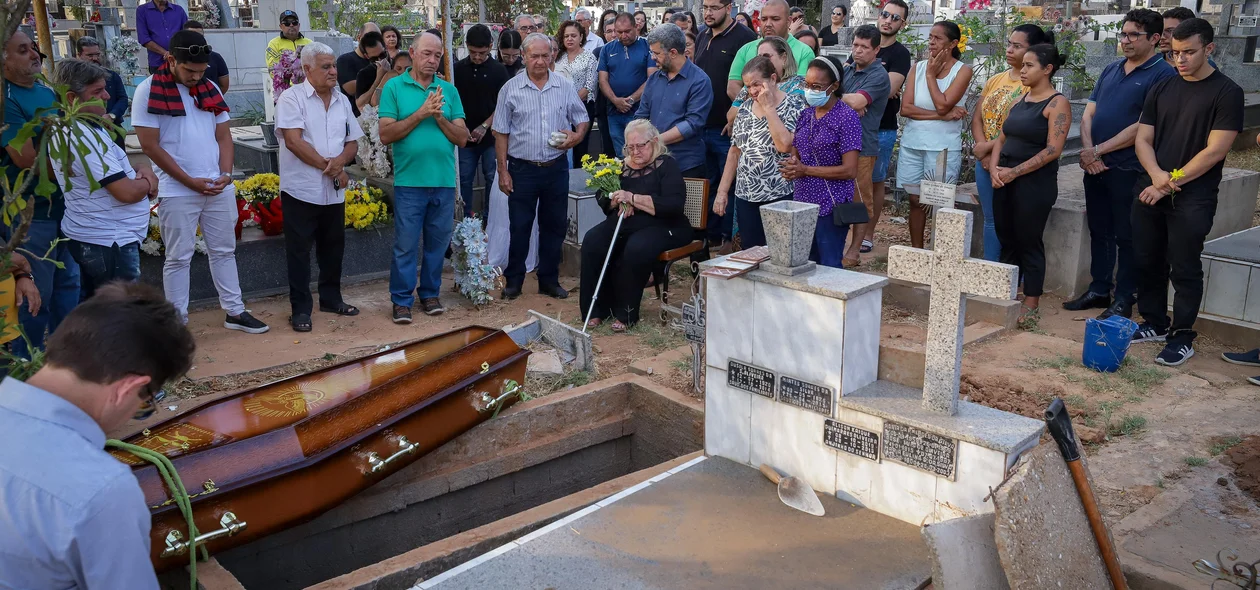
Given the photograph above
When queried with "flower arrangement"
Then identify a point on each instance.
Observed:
(474, 277)
(365, 206)
(605, 174)
(152, 243)
(213, 17)
(374, 156)
(286, 73)
(122, 53)
(260, 194)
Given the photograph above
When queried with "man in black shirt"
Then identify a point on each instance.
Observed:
(371, 48)
(715, 51)
(1188, 124)
(896, 60)
(478, 79)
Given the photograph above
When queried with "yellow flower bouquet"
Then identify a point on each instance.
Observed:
(605, 176)
(365, 206)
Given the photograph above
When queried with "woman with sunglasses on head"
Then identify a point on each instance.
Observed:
(1000, 92)
(510, 52)
(827, 35)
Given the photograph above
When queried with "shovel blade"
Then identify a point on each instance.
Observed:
(796, 494)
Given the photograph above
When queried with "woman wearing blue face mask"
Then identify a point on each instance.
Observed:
(824, 159)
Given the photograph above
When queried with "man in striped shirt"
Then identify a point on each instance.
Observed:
(106, 225)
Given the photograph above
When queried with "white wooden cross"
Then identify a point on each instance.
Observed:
(952, 276)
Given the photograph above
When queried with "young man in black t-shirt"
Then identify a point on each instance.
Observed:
(478, 78)
(1187, 126)
(896, 60)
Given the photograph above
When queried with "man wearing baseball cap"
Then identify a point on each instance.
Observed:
(290, 38)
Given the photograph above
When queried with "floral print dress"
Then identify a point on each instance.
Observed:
(758, 180)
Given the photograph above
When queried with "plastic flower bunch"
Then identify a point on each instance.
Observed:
(213, 15)
(286, 73)
(605, 173)
(259, 189)
(122, 53)
(365, 207)
(474, 277)
(374, 156)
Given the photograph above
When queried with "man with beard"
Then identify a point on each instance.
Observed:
(676, 100)
(716, 47)
(290, 39)
(896, 61)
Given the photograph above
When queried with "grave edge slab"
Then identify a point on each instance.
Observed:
(826, 281)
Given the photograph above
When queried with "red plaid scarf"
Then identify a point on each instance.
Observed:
(164, 95)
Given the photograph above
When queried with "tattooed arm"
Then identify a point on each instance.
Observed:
(1059, 112)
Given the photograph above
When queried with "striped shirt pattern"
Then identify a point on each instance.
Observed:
(528, 116)
(95, 216)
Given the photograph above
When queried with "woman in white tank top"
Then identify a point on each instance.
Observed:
(936, 113)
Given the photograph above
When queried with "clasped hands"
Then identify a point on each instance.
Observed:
(624, 200)
(1091, 162)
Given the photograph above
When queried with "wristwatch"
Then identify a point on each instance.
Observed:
(19, 275)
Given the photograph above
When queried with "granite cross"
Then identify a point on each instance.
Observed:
(952, 276)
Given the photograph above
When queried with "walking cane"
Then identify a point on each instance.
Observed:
(595, 296)
(1059, 423)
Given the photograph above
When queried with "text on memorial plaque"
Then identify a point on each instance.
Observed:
(920, 449)
(851, 439)
(805, 395)
(749, 378)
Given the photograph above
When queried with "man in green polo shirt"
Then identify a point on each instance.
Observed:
(774, 23)
(423, 118)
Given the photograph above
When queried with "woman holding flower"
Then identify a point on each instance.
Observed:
(651, 199)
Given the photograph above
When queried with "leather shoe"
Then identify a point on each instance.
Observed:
(555, 291)
(1120, 307)
(1087, 301)
(510, 293)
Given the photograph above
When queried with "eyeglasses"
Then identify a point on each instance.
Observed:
(528, 28)
(1131, 37)
(815, 87)
(890, 16)
(715, 8)
(195, 49)
(634, 147)
(289, 23)
(837, 13)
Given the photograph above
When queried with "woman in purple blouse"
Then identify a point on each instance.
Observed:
(824, 158)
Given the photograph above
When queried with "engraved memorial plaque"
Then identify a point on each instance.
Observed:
(920, 449)
(693, 322)
(851, 439)
(749, 378)
(805, 395)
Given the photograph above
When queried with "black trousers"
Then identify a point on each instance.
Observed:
(324, 226)
(1167, 241)
(641, 240)
(544, 189)
(583, 147)
(1108, 207)
(1020, 211)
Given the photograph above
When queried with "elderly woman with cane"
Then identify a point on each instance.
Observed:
(645, 218)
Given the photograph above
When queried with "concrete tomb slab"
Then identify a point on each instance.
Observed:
(964, 554)
(713, 524)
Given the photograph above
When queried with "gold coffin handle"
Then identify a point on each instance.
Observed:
(175, 544)
(377, 464)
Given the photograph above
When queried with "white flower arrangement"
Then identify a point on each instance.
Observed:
(474, 277)
(373, 155)
(123, 52)
(213, 16)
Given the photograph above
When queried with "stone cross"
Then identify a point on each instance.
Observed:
(952, 276)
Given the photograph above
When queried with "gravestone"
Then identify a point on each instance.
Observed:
(791, 362)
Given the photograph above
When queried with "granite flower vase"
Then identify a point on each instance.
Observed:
(789, 228)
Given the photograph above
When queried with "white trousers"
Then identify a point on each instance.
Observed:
(179, 218)
(499, 235)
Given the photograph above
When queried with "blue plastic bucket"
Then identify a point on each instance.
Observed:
(1106, 342)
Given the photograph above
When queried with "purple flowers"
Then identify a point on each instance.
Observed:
(286, 73)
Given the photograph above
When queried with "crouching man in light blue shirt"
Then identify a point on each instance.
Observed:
(72, 515)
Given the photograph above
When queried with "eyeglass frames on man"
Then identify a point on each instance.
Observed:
(1131, 37)
(719, 8)
(289, 23)
(890, 16)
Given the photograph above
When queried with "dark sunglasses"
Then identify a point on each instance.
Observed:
(195, 49)
(289, 23)
(890, 16)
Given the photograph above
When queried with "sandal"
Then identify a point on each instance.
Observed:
(867, 246)
(342, 308)
(618, 327)
(301, 322)
(1028, 317)
(851, 263)
(594, 323)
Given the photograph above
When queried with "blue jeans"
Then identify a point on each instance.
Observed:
(716, 147)
(887, 140)
(828, 247)
(984, 189)
(751, 232)
(1108, 209)
(101, 264)
(427, 213)
(469, 158)
(541, 190)
(58, 287)
(617, 122)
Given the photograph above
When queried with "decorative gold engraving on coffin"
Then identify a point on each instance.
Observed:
(287, 403)
(171, 441)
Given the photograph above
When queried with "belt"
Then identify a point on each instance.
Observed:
(546, 164)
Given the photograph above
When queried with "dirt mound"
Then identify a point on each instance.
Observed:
(998, 392)
(1245, 458)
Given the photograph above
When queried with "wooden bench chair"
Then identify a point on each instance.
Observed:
(697, 212)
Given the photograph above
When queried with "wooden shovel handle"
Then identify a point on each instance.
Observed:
(770, 474)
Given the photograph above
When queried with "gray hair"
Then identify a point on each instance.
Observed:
(85, 42)
(580, 13)
(76, 74)
(668, 36)
(649, 132)
(314, 49)
(537, 38)
(517, 22)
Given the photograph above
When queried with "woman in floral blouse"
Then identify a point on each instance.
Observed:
(761, 138)
(578, 65)
(824, 158)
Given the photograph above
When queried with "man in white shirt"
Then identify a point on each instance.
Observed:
(105, 226)
(593, 41)
(181, 121)
(318, 138)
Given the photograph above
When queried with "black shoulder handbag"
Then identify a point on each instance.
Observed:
(852, 213)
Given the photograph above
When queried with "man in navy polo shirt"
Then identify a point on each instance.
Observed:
(623, 70)
(1108, 130)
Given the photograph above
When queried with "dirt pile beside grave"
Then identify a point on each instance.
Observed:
(999, 392)
(1245, 459)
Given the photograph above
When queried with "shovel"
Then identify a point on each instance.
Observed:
(794, 492)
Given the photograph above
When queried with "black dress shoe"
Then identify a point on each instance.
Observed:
(1088, 301)
(1120, 307)
(555, 291)
(510, 293)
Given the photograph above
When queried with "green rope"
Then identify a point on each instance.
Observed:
(178, 493)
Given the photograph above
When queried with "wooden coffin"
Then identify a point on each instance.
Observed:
(266, 459)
